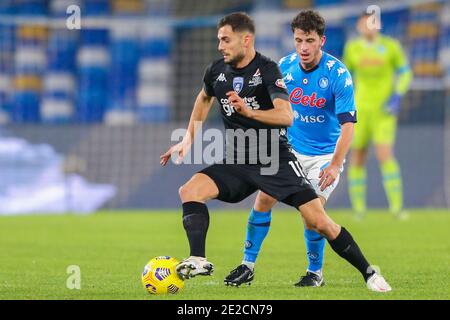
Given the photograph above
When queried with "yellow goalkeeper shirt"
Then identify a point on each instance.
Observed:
(379, 69)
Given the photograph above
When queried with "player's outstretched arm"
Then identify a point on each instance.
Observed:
(202, 106)
(280, 115)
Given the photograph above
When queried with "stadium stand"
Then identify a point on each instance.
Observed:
(112, 92)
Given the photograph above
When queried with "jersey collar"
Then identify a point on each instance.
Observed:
(313, 68)
(375, 41)
(247, 66)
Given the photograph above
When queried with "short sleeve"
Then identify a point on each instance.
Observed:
(273, 81)
(208, 82)
(345, 107)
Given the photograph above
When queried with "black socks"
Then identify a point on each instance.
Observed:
(346, 247)
(196, 223)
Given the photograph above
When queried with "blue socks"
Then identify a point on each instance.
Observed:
(315, 247)
(257, 229)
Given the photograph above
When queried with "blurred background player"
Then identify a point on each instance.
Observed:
(382, 76)
(321, 95)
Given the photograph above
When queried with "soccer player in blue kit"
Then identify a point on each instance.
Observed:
(321, 94)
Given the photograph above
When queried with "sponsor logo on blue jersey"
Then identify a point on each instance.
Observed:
(298, 97)
(312, 119)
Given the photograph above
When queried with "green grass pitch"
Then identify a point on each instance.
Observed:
(111, 249)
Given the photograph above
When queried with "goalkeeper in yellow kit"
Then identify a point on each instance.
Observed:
(382, 76)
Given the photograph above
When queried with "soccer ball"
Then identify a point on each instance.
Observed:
(160, 277)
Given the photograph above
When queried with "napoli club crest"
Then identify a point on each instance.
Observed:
(238, 83)
(323, 82)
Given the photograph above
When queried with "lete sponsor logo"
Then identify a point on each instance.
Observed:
(297, 97)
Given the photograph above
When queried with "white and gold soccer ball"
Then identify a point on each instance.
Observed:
(159, 276)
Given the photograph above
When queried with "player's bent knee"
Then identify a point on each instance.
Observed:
(189, 192)
(315, 218)
(327, 228)
(199, 189)
(322, 227)
(184, 192)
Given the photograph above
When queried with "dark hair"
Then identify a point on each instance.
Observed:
(309, 20)
(239, 21)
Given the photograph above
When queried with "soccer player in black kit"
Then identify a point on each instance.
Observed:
(253, 98)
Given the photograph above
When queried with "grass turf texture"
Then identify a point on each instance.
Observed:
(111, 248)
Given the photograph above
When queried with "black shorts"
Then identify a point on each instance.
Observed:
(238, 181)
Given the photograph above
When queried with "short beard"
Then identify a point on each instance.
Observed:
(309, 65)
(235, 61)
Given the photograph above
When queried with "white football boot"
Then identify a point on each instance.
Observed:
(194, 266)
(377, 283)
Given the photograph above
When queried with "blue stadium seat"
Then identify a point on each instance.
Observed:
(156, 47)
(152, 95)
(93, 72)
(62, 49)
(57, 104)
(124, 60)
(5, 93)
(26, 106)
(154, 113)
(349, 24)
(96, 7)
(327, 2)
(424, 49)
(32, 7)
(335, 40)
(29, 66)
(423, 16)
(7, 45)
(445, 36)
(91, 105)
(93, 64)
(395, 23)
(94, 37)
(7, 7)
(89, 76)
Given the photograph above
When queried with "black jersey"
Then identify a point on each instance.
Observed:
(259, 83)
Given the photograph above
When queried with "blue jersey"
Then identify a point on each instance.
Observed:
(321, 99)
